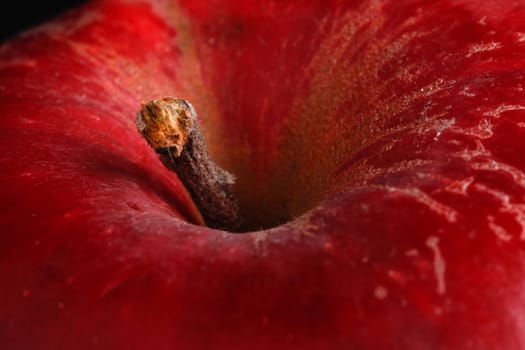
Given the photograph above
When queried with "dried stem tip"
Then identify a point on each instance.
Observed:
(170, 127)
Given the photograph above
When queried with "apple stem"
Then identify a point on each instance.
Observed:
(170, 127)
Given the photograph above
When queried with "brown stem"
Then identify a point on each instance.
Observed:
(170, 127)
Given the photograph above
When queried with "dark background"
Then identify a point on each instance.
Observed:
(18, 15)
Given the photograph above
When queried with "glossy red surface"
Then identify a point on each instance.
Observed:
(387, 134)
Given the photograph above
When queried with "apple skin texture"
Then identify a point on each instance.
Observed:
(381, 143)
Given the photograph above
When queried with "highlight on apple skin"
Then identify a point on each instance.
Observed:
(378, 149)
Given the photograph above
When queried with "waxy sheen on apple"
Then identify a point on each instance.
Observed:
(379, 153)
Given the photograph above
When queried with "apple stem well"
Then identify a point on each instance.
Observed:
(170, 127)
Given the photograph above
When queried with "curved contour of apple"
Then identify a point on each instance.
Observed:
(378, 143)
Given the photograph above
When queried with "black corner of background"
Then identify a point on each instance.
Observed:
(19, 15)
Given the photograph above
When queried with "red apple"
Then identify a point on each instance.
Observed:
(380, 156)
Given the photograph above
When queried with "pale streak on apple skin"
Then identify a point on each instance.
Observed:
(496, 113)
(412, 252)
(483, 47)
(481, 159)
(439, 264)
(466, 92)
(441, 125)
(483, 21)
(499, 231)
(459, 187)
(450, 214)
(483, 130)
(505, 206)
(500, 167)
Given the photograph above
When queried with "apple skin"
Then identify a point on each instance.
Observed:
(391, 131)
